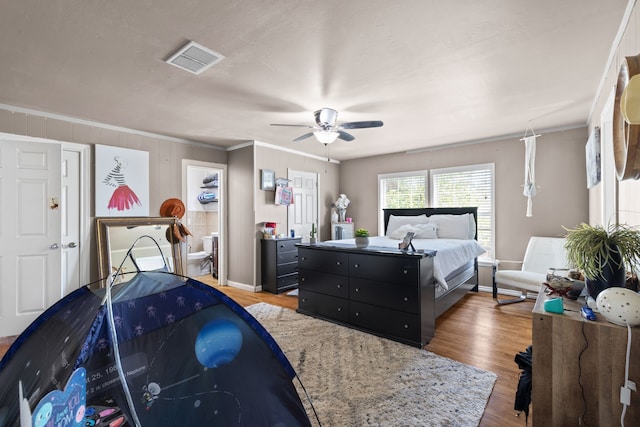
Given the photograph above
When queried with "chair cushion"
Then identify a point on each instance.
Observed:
(519, 279)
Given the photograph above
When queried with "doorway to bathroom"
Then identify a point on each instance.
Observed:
(203, 194)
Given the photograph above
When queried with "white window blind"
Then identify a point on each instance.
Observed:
(468, 186)
(403, 190)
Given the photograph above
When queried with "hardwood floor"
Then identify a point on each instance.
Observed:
(474, 331)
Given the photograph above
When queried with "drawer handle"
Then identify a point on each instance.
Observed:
(337, 262)
(357, 289)
(304, 300)
(356, 265)
(406, 299)
(302, 279)
(339, 286)
(339, 309)
(357, 314)
(405, 271)
(406, 326)
(304, 258)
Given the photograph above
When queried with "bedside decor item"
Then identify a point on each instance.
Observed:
(268, 181)
(603, 254)
(312, 234)
(341, 207)
(362, 237)
(619, 306)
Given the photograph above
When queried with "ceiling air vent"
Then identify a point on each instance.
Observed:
(194, 58)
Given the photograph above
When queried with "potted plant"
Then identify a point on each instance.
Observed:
(312, 234)
(603, 255)
(362, 237)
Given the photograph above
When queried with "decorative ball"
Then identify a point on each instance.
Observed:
(619, 306)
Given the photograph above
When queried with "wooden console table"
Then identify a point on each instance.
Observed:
(558, 340)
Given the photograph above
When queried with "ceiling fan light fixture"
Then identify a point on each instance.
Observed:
(326, 136)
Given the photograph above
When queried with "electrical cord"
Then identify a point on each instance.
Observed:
(626, 374)
(584, 399)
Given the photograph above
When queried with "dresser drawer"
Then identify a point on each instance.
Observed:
(398, 297)
(323, 305)
(285, 257)
(287, 245)
(336, 262)
(385, 321)
(325, 283)
(283, 269)
(287, 281)
(384, 268)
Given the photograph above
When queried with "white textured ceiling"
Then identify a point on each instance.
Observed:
(436, 72)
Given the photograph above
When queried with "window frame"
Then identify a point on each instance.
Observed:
(428, 174)
(422, 172)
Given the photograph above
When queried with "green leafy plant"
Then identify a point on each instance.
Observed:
(590, 248)
(362, 232)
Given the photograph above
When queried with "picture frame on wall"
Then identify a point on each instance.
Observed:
(592, 155)
(121, 181)
(268, 181)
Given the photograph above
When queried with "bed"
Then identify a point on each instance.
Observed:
(385, 291)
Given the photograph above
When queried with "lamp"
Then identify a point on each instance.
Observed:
(326, 136)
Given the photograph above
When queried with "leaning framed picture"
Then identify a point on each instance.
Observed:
(268, 180)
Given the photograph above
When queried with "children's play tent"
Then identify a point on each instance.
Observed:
(184, 354)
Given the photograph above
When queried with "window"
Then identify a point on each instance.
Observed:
(401, 190)
(451, 187)
(468, 186)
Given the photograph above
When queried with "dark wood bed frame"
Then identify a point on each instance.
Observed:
(382, 291)
(462, 280)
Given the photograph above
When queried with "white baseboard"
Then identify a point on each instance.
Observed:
(244, 286)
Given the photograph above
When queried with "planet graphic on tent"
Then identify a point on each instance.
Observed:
(218, 343)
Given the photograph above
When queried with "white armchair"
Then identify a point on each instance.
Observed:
(542, 254)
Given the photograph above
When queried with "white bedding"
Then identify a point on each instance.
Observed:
(451, 253)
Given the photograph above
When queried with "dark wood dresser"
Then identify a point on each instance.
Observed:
(279, 264)
(377, 290)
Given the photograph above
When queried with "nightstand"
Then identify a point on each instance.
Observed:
(279, 264)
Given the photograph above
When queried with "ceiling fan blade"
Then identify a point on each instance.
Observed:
(345, 136)
(296, 126)
(361, 125)
(305, 136)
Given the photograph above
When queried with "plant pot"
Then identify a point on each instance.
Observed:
(362, 242)
(312, 240)
(613, 275)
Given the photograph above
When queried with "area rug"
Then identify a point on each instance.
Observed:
(357, 379)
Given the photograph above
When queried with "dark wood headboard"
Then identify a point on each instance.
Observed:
(431, 211)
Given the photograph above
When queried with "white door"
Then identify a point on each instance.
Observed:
(70, 205)
(30, 231)
(304, 210)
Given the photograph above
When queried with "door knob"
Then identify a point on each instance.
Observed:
(72, 245)
(54, 246)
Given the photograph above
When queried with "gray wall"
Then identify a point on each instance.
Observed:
(241, 208)
(562, 198)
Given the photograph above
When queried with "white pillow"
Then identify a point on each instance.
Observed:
(426, 231)
(452, 226)
(402, 231)
(396, 222)
(472, 227)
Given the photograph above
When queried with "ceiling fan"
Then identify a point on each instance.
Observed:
(327, 130)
